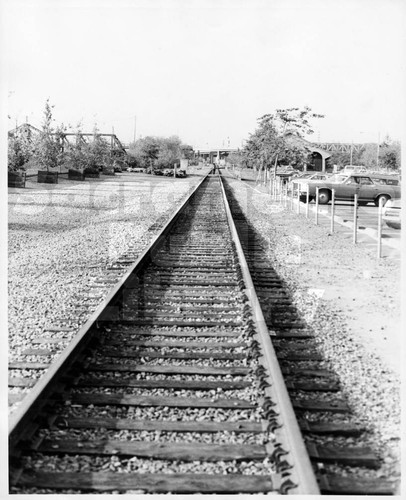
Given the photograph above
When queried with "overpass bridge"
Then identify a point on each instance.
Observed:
(321, 151)
(211, 154)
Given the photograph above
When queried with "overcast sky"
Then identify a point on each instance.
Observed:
(206, 69)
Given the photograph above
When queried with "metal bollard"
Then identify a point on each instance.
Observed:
(380, 228)
(333, 192)
(354, 240)
(317, 206)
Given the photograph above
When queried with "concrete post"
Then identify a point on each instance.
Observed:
(298, 199)
(307, 200)
(380, 228)
(355, 218)
(333, 192)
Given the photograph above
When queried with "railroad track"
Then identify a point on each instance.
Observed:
(173, 385)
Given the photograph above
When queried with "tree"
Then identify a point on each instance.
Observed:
(47, 149)
(187, 152)
(97, 153)
(367, 157)
(269, 145)
(169, 151)
(77, 154)
(145, 151)
(159, 152)
(236, 158)
(294, 121)
(17, 154)
(390, 152)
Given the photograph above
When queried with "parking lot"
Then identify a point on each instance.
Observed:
(367, 225)
(367, 221)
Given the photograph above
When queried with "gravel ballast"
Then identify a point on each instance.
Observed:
(64, 238)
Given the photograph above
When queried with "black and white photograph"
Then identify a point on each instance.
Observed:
(202, 279)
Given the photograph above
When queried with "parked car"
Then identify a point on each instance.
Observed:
(168, 172)
(392, 180)
(181, 173)
(354, 169)
(346, 187)
(303, 180)
(392, 213)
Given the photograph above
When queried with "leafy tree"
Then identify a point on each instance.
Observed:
(47, 148)
(342, 158)
(269, 142)
(237, 158)
(390, 154)
(367, 157)
(18, 155)
(76, 155)
(97, 153)
(169, 151)
(145, 151)
(294, 121)
(187, 152)
(158, 152)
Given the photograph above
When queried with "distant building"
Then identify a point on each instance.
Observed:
(26, 132)
(319, 155)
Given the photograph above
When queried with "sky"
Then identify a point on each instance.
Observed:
(205, 70)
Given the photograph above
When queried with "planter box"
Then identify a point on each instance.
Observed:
(92, 175)
(47, 177)
(75, 175)
(16, 179)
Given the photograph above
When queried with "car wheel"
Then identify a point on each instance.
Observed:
(384, 197)
(324, 197)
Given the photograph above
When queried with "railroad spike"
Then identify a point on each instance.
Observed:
(286, 486)
(277, 454)
(263, 384)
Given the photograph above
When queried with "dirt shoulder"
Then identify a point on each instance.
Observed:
(351, 301)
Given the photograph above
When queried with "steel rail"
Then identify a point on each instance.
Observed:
(302, 473)
(21, 419)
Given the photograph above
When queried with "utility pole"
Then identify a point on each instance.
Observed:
(135, 126)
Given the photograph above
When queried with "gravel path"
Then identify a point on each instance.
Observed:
(352, 302)
(63, 237)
